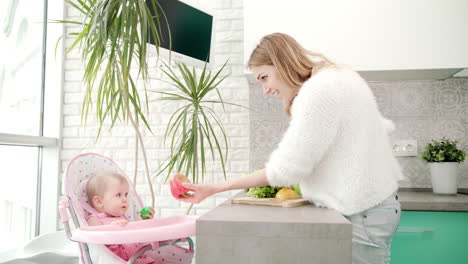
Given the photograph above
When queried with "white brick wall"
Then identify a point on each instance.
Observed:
(119, 143)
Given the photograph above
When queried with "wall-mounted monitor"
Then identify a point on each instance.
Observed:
(191, 31)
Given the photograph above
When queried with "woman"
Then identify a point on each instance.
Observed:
(336, 146)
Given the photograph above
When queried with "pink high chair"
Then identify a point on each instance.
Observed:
(159, 236)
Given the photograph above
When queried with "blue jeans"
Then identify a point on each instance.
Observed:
(373, 230)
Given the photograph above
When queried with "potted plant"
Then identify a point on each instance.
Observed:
(443, 157)
(192, 127)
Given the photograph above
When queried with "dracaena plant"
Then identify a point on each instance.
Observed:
(192, 127)
(112, 38)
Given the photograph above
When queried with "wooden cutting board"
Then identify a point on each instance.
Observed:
(269, 201)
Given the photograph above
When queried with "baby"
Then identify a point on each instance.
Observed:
(107, 193)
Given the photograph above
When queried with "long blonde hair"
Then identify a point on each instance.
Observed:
(294, 63)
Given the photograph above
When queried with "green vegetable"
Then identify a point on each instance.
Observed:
(296, 189)
(263, 192)
(269, 191)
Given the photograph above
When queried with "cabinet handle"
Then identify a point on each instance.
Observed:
(415, 229)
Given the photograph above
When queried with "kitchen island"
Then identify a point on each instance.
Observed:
(238, 233)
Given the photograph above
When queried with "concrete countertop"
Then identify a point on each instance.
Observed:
(239, 233)
(253, 234)
(426, 200)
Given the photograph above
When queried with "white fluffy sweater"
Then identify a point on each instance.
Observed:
(337, 146)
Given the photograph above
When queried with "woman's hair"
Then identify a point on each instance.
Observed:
(294, 63)
(97, 185)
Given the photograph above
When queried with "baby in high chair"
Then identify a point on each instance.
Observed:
(107, 194)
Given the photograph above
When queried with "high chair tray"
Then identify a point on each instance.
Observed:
(157, 229)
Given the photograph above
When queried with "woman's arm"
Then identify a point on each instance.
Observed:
(202, 191)
(256, 179)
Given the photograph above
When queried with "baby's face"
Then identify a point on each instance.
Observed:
(114, 199)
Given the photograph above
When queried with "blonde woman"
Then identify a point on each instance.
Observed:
(336, 146)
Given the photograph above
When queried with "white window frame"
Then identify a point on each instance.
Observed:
(49, 139)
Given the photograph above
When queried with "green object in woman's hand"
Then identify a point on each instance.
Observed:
(145, 212)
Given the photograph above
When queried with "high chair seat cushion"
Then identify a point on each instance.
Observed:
(80, 170)
(171, 254)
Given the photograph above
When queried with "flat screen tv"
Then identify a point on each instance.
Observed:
(191, 32)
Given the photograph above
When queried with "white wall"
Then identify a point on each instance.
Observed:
(369, 35)
(119, 143)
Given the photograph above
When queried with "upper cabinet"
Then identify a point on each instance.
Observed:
(383, 39)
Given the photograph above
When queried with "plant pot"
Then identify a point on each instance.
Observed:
(444, 177)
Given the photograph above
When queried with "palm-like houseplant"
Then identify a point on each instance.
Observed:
(191, 125)
(112, 39)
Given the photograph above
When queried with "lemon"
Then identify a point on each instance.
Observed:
(286, 194)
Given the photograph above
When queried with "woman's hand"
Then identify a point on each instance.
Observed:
(121, 222)
(200, 192)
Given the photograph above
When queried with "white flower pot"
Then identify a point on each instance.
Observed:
(444, 176)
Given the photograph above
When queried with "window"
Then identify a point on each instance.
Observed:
(30, 90)
(21, 43)
(18, 196)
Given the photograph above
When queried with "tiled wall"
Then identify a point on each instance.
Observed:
(420, 110)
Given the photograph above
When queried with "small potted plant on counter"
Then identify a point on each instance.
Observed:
(444, 158)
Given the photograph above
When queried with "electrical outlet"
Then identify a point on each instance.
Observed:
(405, 148)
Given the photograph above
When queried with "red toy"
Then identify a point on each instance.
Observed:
(177, 190)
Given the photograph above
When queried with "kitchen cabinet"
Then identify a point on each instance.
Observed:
(385, 40)
(431, 238)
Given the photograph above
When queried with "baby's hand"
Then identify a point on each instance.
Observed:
(120, 222)
(150, 214)
(147, 213)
